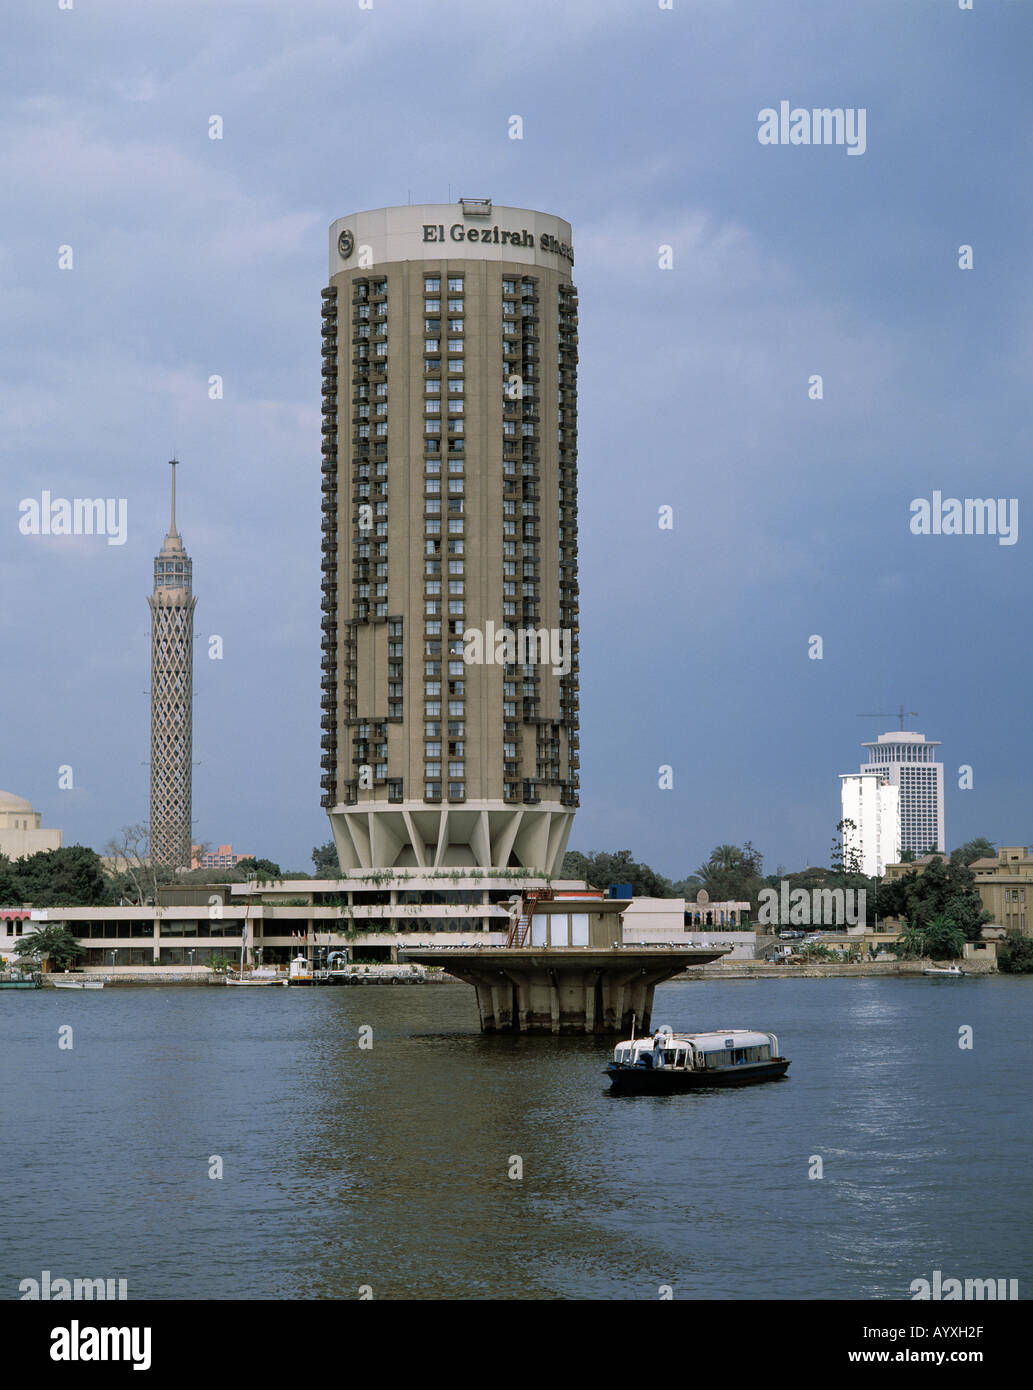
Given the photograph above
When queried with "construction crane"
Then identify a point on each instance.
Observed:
(901, 714)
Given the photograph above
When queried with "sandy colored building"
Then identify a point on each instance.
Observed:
(21, 828)
(1003, 884)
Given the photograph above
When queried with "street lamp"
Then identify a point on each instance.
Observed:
(190, 953)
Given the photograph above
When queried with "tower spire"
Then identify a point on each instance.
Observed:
(173, 463)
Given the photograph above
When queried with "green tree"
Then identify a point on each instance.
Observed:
(69, 877)
(943, 940)
(940, 890)
(50, 943)
(732, 874)
(599, 869)
(846, 859)
(326, 860)
(10, 892)
(910, 944)
(979, 848)
(262, 869)
(1015, 954)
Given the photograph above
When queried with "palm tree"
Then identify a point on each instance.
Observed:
(50, 943)
(911, 942)
(943, 940)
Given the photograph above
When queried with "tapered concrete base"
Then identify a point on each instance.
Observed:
(564, 989)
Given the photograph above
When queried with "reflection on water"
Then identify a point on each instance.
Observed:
(390, 1166)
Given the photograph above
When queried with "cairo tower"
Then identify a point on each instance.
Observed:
(172, 682)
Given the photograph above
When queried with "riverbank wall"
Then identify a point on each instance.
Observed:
(822, 970)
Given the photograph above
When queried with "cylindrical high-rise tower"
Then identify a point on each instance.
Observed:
(450, 596)
(172, 699)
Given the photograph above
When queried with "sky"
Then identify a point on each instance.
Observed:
(792, 516)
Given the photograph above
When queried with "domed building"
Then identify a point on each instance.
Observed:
(21, 828)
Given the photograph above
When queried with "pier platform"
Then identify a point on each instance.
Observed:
(564, 989)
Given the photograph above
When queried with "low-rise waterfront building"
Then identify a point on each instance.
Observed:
(367, 915)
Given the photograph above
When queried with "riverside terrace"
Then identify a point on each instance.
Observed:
(565, 968)
(368, 915)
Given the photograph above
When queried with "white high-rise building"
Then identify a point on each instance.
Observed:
(907, 761)
(872, 803)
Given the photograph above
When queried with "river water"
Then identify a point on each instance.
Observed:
(388, 1168)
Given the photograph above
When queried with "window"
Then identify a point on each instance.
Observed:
(455, 284)
(455, 364)
(432, 306)
(454, 345)
(431, 284)
(455, 306)
(431, 388)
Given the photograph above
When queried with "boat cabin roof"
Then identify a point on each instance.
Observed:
(706, 1042)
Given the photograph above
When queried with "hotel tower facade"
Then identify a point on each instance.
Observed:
(449, 538)
(172, 605)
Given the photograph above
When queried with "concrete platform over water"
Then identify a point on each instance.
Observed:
(564, 989)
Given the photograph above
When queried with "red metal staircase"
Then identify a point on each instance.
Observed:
(520, 928)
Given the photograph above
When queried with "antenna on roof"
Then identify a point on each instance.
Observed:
(901, 714)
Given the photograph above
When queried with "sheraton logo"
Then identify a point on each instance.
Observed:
(497, 236)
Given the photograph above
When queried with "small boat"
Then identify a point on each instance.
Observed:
(256, 977)
(28, 983)
(78, 984)
(669, 1062)
(260, 976)
(945, 972)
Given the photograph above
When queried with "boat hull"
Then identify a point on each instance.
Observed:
(662, 1081)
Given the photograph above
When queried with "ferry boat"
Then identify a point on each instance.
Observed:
(669, 1062)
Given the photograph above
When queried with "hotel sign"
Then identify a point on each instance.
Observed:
(497, 236)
